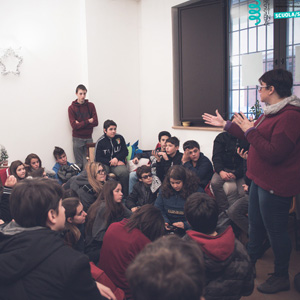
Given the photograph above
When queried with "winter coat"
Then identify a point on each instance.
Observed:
(229, 272)
(36, 264)
(225, 155)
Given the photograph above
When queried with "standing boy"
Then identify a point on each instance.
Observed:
(111, 150)
(83, 118)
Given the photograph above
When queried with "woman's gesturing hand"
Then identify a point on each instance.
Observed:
(216, 120)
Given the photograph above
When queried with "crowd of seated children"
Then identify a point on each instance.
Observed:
(107, 209)
(172, 156)
(151, 155)
(89, 183)
(177, 186)
(168, 269)
(197, 162)
(145, 190)
(228, 167)
(63, 169)
(111, 151)
(124, 240)
(34, 262)
(229, 272)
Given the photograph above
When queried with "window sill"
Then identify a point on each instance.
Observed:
(198, 128)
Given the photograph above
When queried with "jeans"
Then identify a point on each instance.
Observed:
(234, 190)
(132, 180)
(80, 151)
(237, 212)
(123, 176)
(268, 213)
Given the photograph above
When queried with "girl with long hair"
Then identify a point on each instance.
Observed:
(17, 168)
(32, 162)
(177, 186)
(124, 240)
(107, 209)
(89, 183)
(75, 218)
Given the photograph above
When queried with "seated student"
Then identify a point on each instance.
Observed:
(17, 169)
(89, 184)
(62, 171)
(197, 162)
(124, 240)
(107, 209)
(34, 262)
(228, 168)
(160, 147)
(5, 214)
(177, 186)
(111, 150)
(74, 226)
(145, 191)
(32, 162)
(167, 269)
(229, 272)
(167, 159)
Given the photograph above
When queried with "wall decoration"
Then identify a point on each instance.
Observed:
(10, 62)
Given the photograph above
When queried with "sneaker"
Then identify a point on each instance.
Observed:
(274, 284)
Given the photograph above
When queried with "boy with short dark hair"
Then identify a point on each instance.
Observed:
(63, 169)
(197, 162)
(167, 159)
(226, 260)
(34, 261)
(167, 269)
(83, 118)
(111, 150)
(145, 190)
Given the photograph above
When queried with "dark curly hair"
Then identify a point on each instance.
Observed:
(189, 179)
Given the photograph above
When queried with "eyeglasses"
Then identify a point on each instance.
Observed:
(147, 176)
(260, 87)
(101, 171)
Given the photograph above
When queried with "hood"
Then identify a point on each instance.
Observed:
(77, 104)
(292, 102)
(22, 249)
(219, 247)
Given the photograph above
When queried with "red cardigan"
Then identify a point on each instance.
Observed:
(274, 155)
(119, 249)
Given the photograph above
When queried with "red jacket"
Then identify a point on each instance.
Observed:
(119, 249)
(274, 154)
(81, 113)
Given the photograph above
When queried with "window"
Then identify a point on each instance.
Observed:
(209, 39)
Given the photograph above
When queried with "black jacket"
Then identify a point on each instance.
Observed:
(204, 169)
(163, 166)
(35, 264)
(4, 205)
(140, 196)
(229, 272)
(106, 149)
(225, 155)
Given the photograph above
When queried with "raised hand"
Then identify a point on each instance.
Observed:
(216, 120)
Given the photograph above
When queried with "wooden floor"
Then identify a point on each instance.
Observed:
(265, 266)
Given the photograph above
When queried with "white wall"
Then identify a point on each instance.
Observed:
(33, 105)
(156, 77)
(113, 64)
(120, 49)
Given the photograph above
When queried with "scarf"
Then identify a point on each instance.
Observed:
(275, 108)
